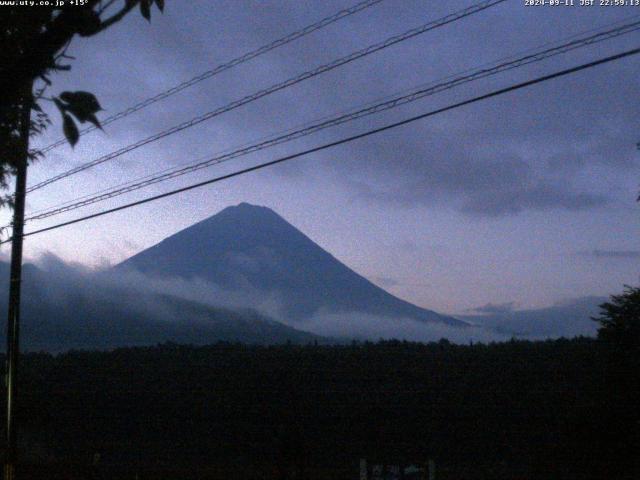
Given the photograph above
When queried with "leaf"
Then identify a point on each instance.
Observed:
(145, 9)
(61, 106)
(83, 105)
(93, 119)
(88, 22)
(70, 129)
(87, 99)
(160, 4)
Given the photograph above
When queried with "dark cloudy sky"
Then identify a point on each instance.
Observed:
(527, 199)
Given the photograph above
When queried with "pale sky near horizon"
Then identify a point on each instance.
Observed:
(526, 198)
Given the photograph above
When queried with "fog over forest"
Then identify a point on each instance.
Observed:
(69, 305)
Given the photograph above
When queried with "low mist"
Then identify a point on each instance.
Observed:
(67, 305)
(371, 327)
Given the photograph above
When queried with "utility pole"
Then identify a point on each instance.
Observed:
(13, 319)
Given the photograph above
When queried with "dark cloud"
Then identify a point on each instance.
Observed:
(537, 197)
(553, 146)
(479, 159)
(473, 181)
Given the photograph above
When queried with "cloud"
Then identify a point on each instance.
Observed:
(494, 308)
(68, 305)
(535, 197)
(568, 318)
(619, 254)
(68, 285)
(528, 151)
(198, 290)
(118, 308)
(475, 180)
(371, 327)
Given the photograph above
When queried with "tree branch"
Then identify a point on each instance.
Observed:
(117, 17)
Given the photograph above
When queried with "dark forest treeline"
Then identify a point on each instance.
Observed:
(557, 409)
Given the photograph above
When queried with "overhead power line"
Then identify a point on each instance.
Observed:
(565, 41)
(275, 88)
(342, 141)
(225, 66)
(336, 120)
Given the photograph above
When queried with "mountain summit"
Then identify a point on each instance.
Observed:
(253, 248)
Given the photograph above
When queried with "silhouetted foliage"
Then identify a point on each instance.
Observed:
(620, 335)
(519, 409)
(33, 45)
(620, 320)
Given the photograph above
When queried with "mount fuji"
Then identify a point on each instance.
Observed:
(252, 248)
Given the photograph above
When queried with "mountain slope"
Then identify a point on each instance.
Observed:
(63, 309)
(251, 247)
